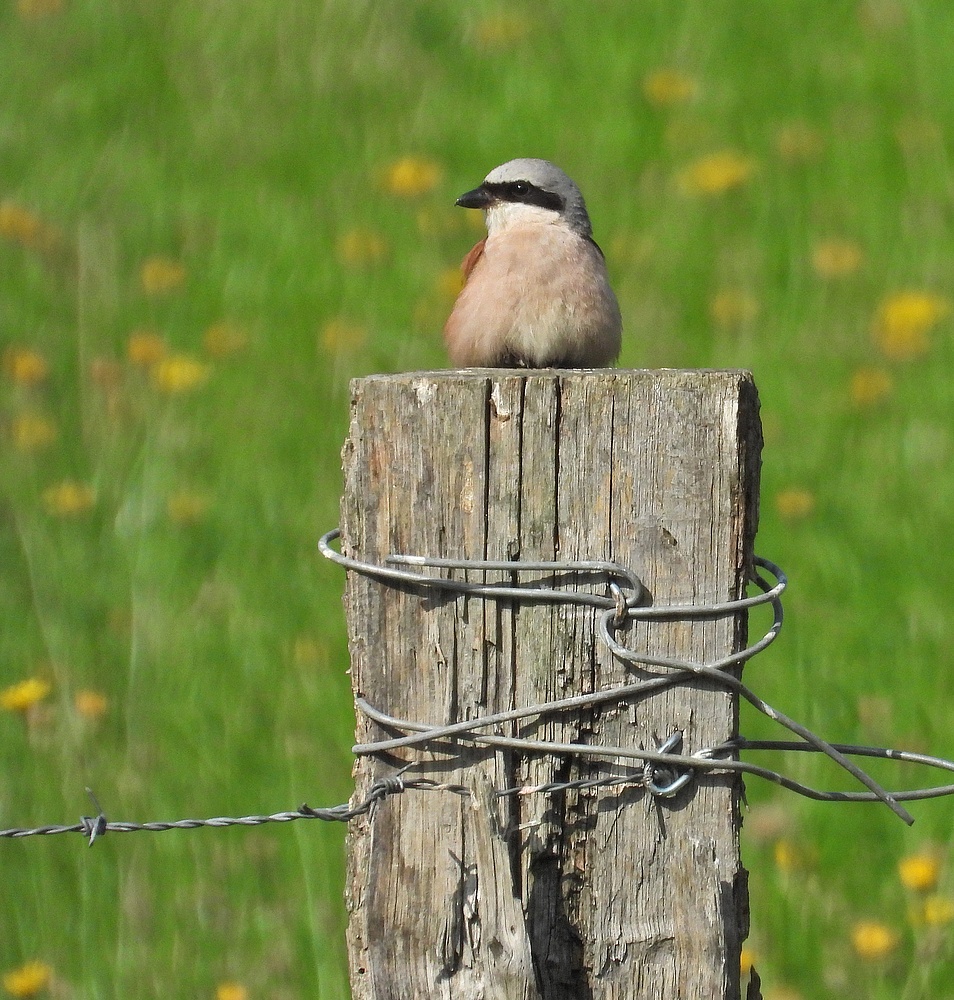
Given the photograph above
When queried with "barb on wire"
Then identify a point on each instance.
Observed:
(94, 827)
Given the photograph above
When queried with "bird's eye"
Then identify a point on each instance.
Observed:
(521, 188)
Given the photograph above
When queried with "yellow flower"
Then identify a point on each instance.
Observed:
(23, 696)
(412, 176)
(160, 275)
(733, 307)
(903, 321)
(746, 959)
(27, 980)
(231, 991)
(787, 855)
(69, 499)
(32, 432)
(222, 339)
(179, 373)
(938, 911)
(145, 348)
(836, 258)
(20, 225)
(91, 704)
(185, 507)
(798, 142)
(869, 386)
(717, 173)
(307, 651)
(449, 282)
(31, 10)
(360, 246)
(873, 940)
(16, 222)
(919, 872)
(342, 335)
(25, 366)
(667, 87)
(794, 503)
(501, 30)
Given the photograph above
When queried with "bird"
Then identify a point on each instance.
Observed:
(536, 292)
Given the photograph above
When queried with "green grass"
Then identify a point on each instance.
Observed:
(245, 141)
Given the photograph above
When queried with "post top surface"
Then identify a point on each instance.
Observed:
(680, 375)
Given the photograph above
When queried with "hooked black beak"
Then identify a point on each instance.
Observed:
(478, 198)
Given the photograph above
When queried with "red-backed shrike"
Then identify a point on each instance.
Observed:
(536, 292)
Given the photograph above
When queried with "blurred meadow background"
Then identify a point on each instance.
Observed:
(213, 215)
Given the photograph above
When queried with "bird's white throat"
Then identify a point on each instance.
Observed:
(503, 214)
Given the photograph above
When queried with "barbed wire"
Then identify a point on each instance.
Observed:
(93, 827)
(662, 772)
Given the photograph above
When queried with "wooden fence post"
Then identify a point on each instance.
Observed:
(585, 894)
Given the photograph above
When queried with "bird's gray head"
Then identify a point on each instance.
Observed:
(520, 189)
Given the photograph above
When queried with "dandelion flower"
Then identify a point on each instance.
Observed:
(20, 225)
(25, 366)
(223, 339)
(340, 335)
(733, 307)
(873, 940)
(186, 507)
(412, 176)
(16, 222)
(361, 246)
(787, 855)
(746, 959)
(665, 88)
(231, 991)
(501, 30)
(161, 275)
(449, 282)
(33, 10)
(307, 651)
(938, 911)
(31, 432)
(23, 696)
(919, 872)
(869, 386)
(794, 503)
(69, 499)
(836, 258)
(904, 320)
(28, 980)
(717, 173)
(179, 373)
(145, 348)
(91, 705)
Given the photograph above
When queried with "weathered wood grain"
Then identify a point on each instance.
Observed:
(586, 894)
